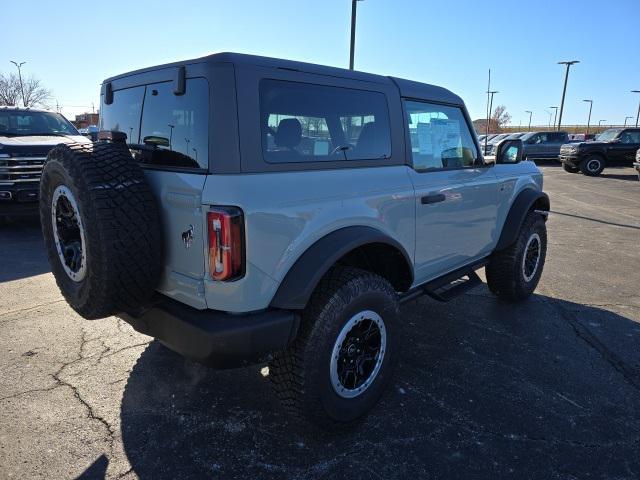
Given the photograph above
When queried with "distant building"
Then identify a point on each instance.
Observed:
(85, 119)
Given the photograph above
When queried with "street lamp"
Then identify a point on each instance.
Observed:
(564, 89)
(530, 113)
(19, 65)
(625, 120)
(170, 135)
(638, 114)
(550, 115)
(589, 119)
(600, 124)
(555, 117)
(491, 94)
(354, 7)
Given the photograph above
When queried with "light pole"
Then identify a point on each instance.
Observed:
(638, 114)
(589, 119)
(550, 115)
(354, 7)
(600, 124)
(530, 113)
(170, 135)
(491, 93)
(625, 120)
(555, 117)
(564, 89)
(19, 65)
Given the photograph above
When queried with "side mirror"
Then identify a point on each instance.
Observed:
(509, 151)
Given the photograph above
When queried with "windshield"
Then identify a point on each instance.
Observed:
(608, 135)
(18, 123)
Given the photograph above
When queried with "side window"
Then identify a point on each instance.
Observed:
(174, 128)
(631, 137)
(123, 115)
(303, 122)
(556, 137)
(440, 137)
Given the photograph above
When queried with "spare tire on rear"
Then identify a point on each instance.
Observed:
(101, 228)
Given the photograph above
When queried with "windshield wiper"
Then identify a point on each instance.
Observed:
(46, 134)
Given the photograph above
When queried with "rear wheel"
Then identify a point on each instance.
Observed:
(592, 166)
(101, 228)
(514, 273)
(570, 169)
(337, 368)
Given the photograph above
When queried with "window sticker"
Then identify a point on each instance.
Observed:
(425, 145)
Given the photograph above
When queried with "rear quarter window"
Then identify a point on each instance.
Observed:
(302, 122)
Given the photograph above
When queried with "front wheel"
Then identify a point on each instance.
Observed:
(592, 165)
(339, 365)
(514, 273)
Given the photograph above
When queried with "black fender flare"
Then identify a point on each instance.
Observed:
(305, 274)
(519, 210)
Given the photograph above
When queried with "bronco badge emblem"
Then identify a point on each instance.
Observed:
(187, 237)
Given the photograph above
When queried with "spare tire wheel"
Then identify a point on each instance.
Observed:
(101, 228)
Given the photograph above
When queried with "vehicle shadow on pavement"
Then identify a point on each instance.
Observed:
(22, 254)
(483, 389)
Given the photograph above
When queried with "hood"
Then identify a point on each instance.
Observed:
(41, 140)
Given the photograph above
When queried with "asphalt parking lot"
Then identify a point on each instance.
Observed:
(545, 389)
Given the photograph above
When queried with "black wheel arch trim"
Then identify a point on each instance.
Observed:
(520, 207)
(302, 278)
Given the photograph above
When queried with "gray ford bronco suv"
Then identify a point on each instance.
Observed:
(243, 209)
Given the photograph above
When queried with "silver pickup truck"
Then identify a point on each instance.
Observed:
(244, 209)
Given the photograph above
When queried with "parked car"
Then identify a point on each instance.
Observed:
(253, 209)
(613, 146)
(636, 164)
(491, 148)
(581, 137)
(26, 136)
(489, 144)
(543, 145)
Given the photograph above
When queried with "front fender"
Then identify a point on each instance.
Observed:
(520, 207)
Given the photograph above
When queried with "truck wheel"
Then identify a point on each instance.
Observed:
(513, 273)
(101, 228)
(592, 165)
(338, 366)
(570, 169)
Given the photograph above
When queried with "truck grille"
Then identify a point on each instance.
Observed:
(20, 170)
(568, 149)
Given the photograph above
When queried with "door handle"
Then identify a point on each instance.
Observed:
(438, 197)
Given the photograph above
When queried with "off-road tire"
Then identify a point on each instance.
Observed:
(120, 222)
(505, 271)
(587, 165)
(301, 374)
(570, 169)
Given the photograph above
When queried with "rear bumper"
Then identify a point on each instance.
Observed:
(216, 339)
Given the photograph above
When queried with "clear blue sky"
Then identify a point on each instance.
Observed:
(73, 45)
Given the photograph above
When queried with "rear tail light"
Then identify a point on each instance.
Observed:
(226, 243)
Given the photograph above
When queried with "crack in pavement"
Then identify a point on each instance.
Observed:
(587, 336)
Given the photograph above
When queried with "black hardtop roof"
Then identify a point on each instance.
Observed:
(407, 88)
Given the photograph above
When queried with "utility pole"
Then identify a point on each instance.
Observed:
(354, 8)
(19, 65)
(638, 114)
(589, 119)
(625, 120)
(564, 89)
(550, 116)
(530, 113)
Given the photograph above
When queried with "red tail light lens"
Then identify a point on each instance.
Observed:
(226, 243)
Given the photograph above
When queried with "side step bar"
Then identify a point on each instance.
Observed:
(448, 286)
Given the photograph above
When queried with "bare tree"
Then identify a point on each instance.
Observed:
(9, 89)
(500, 117)
(35, 94)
